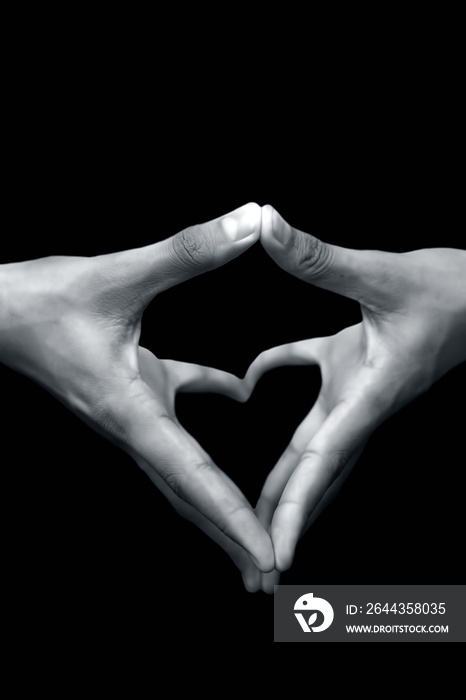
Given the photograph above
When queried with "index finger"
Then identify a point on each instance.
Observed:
(333, 450)
(160, 443)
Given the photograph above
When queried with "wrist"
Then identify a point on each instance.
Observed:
(455, 353)
(19, 299)
(7, 276)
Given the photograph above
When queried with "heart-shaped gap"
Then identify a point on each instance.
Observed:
(246, 439)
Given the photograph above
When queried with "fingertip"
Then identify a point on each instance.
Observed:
(242, 223)
(264, 559)
(245, 529)
(253, 212)
(269, 581)
(284, 560)
(275, 230)
(267, 224)
(251, 579)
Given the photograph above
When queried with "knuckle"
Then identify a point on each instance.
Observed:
(330, 464)
(173, 481)
(312, 255)
(194, 245)
(295, 448)
(109, 422)
(179, 481)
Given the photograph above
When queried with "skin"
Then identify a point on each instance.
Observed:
(166, 378)
(413, 332)
(72, 324)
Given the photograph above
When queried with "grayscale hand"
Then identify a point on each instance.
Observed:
(72, 324)
(167, 378)
(413, 331)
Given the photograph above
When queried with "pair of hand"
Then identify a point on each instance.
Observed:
(72, 324)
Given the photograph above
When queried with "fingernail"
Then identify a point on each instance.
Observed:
(280, 228)
(242, 222)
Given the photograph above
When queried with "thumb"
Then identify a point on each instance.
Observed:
(363, 275)
(146, 271)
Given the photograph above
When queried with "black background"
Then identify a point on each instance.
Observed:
(91, 546)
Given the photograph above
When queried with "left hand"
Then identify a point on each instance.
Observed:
(413, 331)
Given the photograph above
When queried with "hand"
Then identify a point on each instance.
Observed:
(413, 331)
(72, 324)
(166, 378)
